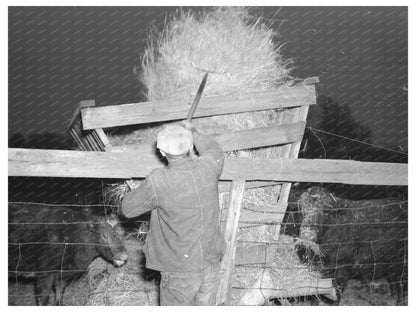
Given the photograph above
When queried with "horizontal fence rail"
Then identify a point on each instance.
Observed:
(57, 163)
(147, 112)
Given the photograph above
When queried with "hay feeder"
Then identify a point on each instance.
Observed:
(252, 106)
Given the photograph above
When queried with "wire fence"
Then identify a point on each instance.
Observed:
(280, 251)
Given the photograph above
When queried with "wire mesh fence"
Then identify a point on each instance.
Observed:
(353, 258)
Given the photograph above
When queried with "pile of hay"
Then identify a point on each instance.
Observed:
(239, 50)
(126, 285)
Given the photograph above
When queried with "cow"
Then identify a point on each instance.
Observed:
(55, 244)
(365, 240)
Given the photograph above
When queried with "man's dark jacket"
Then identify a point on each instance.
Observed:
(184, 231)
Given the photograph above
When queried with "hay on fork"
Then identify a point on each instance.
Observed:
(240, 51)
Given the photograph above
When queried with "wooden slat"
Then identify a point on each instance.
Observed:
(241, 139)
(58, 163)
(76, 116)
(250, 218)
(98, 140)
(90, 138)
(230, 235)
(260, 137)
(77, 140)
(289, 151)
(77, 127)
(316, 170)
(264, 288)
(103, 139)
(147, 112)
(293, 149)
(225, 186)
(255, 254)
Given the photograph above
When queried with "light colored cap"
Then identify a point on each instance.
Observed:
(174, 140)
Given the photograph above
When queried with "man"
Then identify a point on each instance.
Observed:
(184, 241)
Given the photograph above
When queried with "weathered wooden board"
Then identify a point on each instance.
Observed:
(240, 139)
(316, 170)
(260, 137)
(250, 218)
(255, 254)
(224, 186)
(230, 236)
(147, 112)
(58, 163)
(264, 288)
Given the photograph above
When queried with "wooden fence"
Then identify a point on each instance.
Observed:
(97, 158)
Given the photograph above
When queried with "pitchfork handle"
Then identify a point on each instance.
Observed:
(197, 98)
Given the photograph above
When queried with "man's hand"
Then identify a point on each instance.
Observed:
(188, 126)
(132, 184)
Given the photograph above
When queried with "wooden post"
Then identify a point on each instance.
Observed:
(227, 263)
(292, 150)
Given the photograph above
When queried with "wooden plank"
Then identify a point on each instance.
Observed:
(250, 218)
(77, 127)
(261, 137)
(90, 139)
(80, 105)
(293, 149)
(103, 138)
(77, 140)
(230, 235)
(147, 112)
(261, 216)
(289, 151)
(316, 170)
(59, 163)
(225, 186)
(264, 288)
(140, 148)
(98, 140)
(255, 254)
(241, 139)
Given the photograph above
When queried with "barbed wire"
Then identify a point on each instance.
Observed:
(329, 209)
(64, 205)
(155, 288)
(347, 242)
(323, 209)
(261, 265)
(66, 243)
(354, 140)
(263, 222)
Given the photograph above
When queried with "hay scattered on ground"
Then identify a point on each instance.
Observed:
(126, 285)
